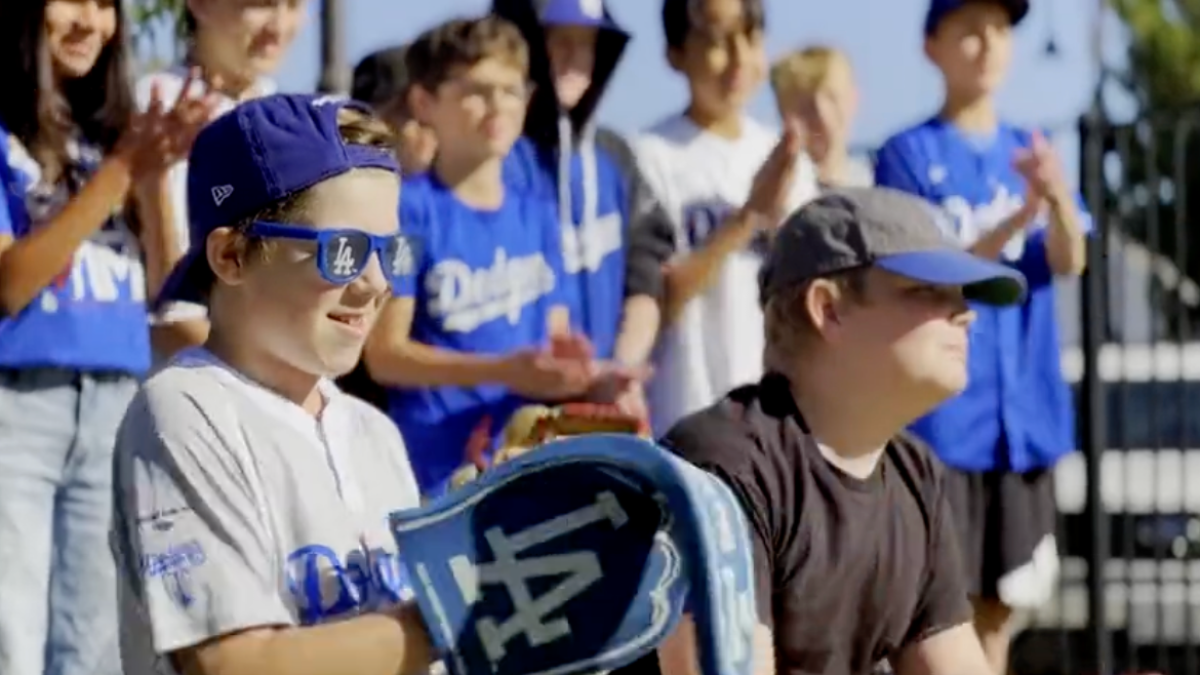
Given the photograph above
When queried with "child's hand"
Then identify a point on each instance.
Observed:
(542, 375)
(1041, 168)
(616, 383)
(773, 182)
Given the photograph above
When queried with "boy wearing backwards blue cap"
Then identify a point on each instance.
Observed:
(1005, 196)
(250, 493)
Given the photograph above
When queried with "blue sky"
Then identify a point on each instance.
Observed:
(883, 37)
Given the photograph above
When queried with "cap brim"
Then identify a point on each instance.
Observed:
(571, 16)
(982, 280)
(1017, 10)
(189, 281)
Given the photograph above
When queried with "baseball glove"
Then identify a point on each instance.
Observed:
(533, 425)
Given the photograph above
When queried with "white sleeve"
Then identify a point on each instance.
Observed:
(192, 538)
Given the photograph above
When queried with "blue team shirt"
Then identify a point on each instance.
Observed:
(484, 283)
(593, 247)
(92, 316)
(1017, 413)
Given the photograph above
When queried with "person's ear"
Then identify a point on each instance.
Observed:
(675, 58)
(822, 303)
(228, 252)
(930, 48)
(421, 103)
(201, 9)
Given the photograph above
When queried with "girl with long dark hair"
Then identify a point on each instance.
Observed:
(233, 48)
(73, 322)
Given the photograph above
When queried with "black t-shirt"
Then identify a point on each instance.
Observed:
(848, 571)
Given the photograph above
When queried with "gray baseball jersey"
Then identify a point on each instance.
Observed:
(235, 509)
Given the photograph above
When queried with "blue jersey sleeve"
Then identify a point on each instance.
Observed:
(896, 166)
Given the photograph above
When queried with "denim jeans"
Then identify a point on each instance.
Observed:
(58, 605)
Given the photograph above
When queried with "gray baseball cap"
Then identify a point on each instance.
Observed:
(879, 227)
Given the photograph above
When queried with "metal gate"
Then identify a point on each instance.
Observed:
(1129, 599)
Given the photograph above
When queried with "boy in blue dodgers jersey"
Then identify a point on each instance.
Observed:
(1005, 196)
(77, 164)
(251, 495)
(471, 339)
(575, 47)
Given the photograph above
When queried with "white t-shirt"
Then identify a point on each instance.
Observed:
(859, 172)
(169, 82)
(235, 509)
(717, 342)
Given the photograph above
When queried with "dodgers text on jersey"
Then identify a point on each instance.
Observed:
(326, 586)
(464, 298)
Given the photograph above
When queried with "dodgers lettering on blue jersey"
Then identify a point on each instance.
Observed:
(485, 283)
(593, 242)
(464, 298)
(92, 316)
(1016, 413)
(325, 586)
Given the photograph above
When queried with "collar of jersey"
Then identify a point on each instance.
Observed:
(268, 399)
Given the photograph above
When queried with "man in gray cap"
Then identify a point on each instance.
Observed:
(867, 318)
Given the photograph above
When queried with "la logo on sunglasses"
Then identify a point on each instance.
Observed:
(402, 262)
(344, 261)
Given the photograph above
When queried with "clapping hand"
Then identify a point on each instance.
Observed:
(1041, 168)
(562, 370)
(611, 382)
(163, 134)
(567, 368)
(772, 184)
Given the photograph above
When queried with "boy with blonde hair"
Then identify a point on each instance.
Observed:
(816, 86)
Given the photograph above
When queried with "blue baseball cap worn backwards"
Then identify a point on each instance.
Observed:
(938, 9)
(261, 152)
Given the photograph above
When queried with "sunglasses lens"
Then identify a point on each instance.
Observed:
(399, 258)
(345, 256)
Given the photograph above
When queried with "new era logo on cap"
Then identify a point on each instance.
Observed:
(220, 193)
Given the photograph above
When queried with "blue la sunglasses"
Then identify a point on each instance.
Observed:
(344, 254)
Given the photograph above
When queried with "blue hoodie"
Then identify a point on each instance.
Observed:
(559, 159)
